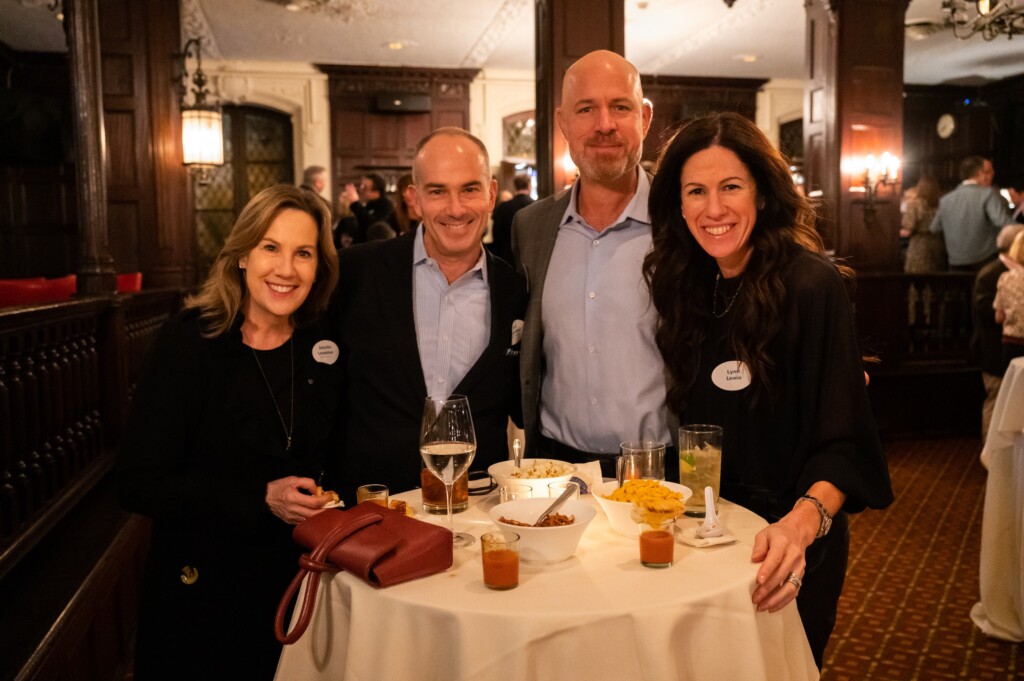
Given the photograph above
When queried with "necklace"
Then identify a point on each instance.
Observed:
(729, 300)
(288, 430)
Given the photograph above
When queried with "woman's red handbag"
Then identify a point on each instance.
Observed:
(380, 546)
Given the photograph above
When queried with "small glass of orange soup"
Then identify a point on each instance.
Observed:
(500, 554)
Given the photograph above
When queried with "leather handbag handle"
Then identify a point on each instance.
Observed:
(313, 564)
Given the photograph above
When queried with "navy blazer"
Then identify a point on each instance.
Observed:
(373, 318)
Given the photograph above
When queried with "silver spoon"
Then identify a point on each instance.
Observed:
(517, 453)
(563, 497)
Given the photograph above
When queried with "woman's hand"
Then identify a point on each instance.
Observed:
(289, 503)
(780, 549)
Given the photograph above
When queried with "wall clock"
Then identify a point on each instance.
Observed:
(945, 126)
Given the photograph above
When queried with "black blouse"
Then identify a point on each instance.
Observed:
(819, 424)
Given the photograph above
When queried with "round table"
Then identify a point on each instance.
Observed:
(598, 615)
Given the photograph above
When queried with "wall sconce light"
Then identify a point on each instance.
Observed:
(874, 173)
(202, 132)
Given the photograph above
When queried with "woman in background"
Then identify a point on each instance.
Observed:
(406, 217)
(926, 252)
(226, 436)
(739, 278)
(1009, 302)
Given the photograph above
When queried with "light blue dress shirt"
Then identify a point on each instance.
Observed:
(453, 322)
(969, 218)
(604, 381)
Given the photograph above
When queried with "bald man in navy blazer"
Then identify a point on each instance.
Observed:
(430, 312)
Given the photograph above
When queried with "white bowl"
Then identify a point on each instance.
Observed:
(618, 512)
(502, 474)
(544, 544)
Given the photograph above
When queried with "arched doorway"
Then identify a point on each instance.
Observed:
(257, 154)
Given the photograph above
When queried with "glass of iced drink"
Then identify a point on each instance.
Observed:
(700, 463)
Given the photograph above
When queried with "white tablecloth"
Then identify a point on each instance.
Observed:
(1000, 613)
(598, 615)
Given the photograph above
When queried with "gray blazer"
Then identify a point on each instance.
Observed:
(534, 231)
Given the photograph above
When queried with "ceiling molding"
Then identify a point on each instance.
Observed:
(504, 21)
(720, 30)
(194, 24)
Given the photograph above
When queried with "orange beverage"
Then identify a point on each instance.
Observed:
(657, 547)
(433, 493)
(500, 555)
(501, 568)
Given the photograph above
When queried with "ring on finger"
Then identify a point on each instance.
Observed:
(795, 580)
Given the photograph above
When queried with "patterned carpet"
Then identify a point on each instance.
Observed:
(913, 576)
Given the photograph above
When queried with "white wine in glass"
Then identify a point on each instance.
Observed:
(447, 446)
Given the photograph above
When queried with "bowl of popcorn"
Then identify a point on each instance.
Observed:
(617, 502)
(536, 473)
(556, 539)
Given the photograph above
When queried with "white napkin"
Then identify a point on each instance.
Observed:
(688, 534)
(589, 474)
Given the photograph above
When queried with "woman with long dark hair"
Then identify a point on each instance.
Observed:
(757, 334)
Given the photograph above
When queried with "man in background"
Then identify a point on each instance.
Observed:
(501, 233)
(314, 178)
(368, 203)
(986, 336)
(970, 217)
(1016, 191)
(427, 313)
(592, 375)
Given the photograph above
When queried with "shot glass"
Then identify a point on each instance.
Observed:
(513, 491)
(641, 460)
(657, 537)
(378, 494)
(499, 552)
(700, 463)
(555, 489)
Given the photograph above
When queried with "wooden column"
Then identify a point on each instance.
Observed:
(853, 106)
(565, 31)
(96, 273)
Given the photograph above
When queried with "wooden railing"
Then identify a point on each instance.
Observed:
(915, 320)
(919, 328)
(66, 374)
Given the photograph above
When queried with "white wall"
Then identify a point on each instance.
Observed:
(297, 89)
(493, 95)
(780, 101)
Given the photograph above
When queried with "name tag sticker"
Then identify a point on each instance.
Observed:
(326, 352)
(732, 375)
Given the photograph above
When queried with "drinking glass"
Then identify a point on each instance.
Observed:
(448, 445)
(700, 463)
(643, 459)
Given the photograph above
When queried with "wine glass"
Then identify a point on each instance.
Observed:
(448, 445)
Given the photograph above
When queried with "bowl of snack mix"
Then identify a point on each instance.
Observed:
(617, 502)
(537, 473)
(556, 540)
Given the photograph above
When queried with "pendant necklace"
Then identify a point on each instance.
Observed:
(288, 430)
(729, 300)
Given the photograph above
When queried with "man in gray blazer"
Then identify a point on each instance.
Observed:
(591, 372)
(970, 217)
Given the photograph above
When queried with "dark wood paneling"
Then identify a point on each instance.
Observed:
(38, 230)
(365, 139)
(564, 31)
(989, 122)
(854, 107)
(678, 98)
